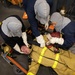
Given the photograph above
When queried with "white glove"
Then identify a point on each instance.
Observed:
(46, 26)
(62, 12)
(49, 38)
(17, 48)
(57, 40)
(24, 37)
(40, 40)
(54, 40)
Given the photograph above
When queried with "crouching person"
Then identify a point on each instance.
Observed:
(63, 62)
(65, 26)
(13, 32)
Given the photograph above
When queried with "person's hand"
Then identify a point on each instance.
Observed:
(24, 37)
(59, 41)
(46, 26)
(49, 38)
(25, 49)
(54, 40)
(47, 23)
(40, 40)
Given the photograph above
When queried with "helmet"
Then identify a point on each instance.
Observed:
(14, 26)
(58, 18)
(42, 11)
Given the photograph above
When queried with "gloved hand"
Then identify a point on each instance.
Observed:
(25, 49)
(57, 40)
(54, 40)
(24, 37)
(40, 40)
(49, 38)
(17, 48)
(46, 26)
(47, 23)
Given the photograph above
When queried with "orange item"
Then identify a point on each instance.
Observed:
(15, 2)
(51, 27)
(25, 16)
(17, 64)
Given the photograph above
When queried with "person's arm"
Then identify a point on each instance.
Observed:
(33, 23)
(68, 35)
(68, 42)
(35, 31)
(31, 18)
(64, 43)
(11, 43)
(24, 37)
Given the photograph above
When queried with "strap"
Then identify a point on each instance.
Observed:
(41, 55)
(56, 61)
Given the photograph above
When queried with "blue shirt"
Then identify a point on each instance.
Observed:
(68, 35)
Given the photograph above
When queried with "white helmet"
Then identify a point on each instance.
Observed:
(60, 20)
(11, 26)
(15, 27)
(42, 11)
